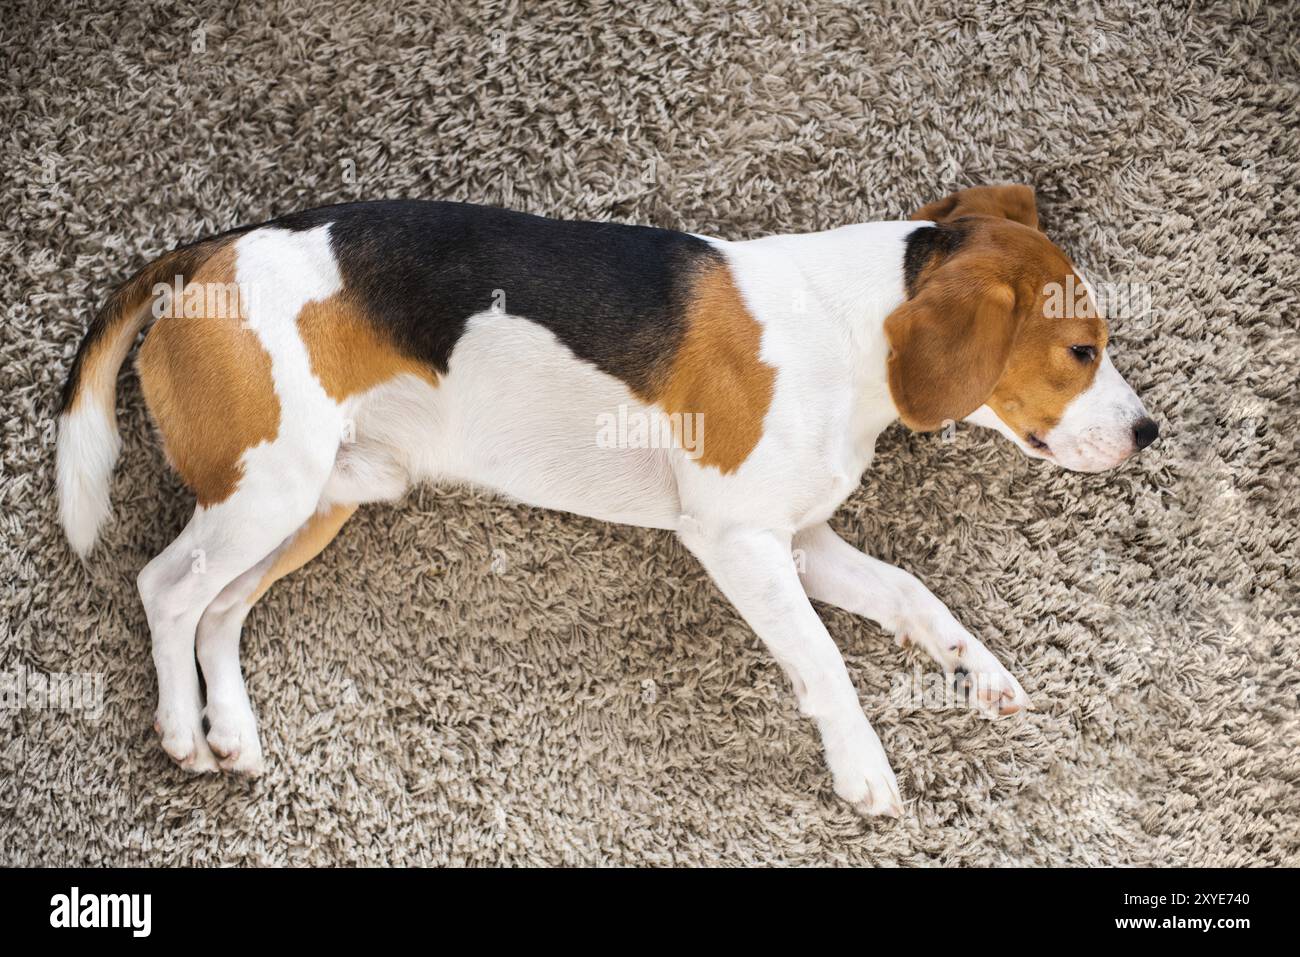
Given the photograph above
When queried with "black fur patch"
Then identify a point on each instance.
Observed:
(615, 295)
(925, 244)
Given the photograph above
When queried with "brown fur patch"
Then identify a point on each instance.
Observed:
(207, 383)
(948, 347)
(978, 331)
(1042, 377)
(717, 372)
(93, 377)
(349, 354)
(1016, 203)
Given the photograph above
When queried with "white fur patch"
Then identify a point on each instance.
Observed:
(88, 447)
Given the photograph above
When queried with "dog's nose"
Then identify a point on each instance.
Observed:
(1145, 432)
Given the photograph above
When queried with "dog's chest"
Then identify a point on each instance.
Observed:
(838, 469)
(829, 494)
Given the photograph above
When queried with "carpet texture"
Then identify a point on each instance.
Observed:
(461, 680)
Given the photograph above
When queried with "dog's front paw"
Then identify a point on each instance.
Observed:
(232, 736)
(873, 793)
(863, 776)
(991, 690)
(976, 673)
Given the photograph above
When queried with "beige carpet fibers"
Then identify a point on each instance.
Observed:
(462, 680)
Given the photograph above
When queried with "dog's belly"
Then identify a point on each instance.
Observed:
(516, 413)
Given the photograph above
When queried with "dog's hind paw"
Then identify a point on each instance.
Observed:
(232, 736)
(186, 745)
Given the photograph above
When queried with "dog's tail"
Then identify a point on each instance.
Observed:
(88, 442)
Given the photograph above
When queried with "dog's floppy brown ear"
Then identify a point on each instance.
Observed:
(1015, 203)
(948, 348)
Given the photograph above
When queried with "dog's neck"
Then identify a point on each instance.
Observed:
(855, 275)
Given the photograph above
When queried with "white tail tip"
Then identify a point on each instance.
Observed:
(87, 452)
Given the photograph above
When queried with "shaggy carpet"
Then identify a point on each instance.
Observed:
(460, 680)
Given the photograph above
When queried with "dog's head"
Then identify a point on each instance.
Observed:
(1000, 330)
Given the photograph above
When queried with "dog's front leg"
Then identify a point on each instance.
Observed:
(835, 572)
(755, 571)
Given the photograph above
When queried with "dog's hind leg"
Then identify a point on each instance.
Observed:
(232, 728)
(252, 435)
(222, 541)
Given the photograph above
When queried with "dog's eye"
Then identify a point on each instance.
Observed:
(1084, 353)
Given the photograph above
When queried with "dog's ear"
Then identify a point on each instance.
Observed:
(949, 346)
(1015, 203)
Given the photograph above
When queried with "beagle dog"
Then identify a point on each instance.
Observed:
(731, 392)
